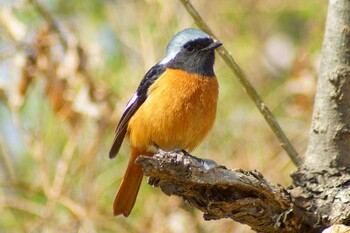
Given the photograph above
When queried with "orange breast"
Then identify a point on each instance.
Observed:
(179, 112)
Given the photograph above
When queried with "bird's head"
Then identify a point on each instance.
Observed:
(191, 50)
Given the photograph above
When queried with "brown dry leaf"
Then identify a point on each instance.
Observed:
(58, 67)
(27, 73)
(43, 41)
(2, 92)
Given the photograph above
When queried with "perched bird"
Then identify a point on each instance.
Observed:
(173, 108)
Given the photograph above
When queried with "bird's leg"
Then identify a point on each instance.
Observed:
(159, 150)
(191, 157)
(186, 153)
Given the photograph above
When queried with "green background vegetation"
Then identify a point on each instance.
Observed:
(58, 114)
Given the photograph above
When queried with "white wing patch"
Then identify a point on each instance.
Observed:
(132, 100)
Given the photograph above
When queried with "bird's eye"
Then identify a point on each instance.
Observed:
(189, 48)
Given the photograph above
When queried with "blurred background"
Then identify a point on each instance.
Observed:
(68, 68)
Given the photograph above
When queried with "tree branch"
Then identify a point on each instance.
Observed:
(330, 132)
(322, 184)
(244, 196)
(247, 86)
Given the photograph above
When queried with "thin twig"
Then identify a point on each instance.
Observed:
(10, 52)
(26, 206)
(50, 20)
(7, 160)
(61, 172)
(242, 78)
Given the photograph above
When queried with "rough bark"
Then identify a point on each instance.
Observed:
(244, 196)
(321, 192)
(322, 197)
(329, 141)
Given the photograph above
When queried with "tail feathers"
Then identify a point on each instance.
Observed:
(128, 190)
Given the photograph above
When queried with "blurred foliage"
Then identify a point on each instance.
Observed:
(67, 69)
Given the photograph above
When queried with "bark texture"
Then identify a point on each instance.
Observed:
(321, 193)
(311, 205)
(321, 198)
(329, 141)
(244, 196)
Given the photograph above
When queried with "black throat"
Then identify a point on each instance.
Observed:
(201, 62)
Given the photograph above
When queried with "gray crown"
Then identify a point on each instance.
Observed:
(179, 40)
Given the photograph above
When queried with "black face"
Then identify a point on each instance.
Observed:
(195, 58)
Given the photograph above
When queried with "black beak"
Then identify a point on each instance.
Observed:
(213, 45)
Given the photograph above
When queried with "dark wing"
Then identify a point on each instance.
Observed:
(134, 104)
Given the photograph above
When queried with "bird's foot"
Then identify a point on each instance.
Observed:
(205, 164)
(190, 157)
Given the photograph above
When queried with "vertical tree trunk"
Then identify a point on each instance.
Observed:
(329, 142)
(321, 191)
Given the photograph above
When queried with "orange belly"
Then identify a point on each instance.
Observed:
(178, 113)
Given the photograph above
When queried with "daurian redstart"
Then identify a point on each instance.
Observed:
(173, 108)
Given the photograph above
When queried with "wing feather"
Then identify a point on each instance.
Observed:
(133, 105)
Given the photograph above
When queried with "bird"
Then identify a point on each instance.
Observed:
(174, 108)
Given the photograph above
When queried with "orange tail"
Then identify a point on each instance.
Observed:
(127, 193)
